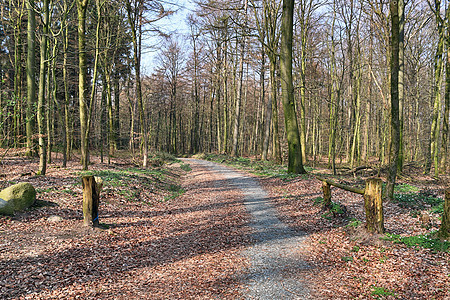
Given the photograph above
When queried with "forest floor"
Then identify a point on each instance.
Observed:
(175, 231)
(346, 262)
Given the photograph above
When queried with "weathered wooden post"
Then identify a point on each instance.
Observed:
(90, 201)
(444, 230)
(373, 205)
(326, 188)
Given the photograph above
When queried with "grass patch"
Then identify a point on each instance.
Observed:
(347, 258)
(46, 190)
(175, 192)
(380, 292)
(406, 188)
(419, 201)
(336, 210)
(354, 223)
(420, 241)
(129, 182)
(186, 167)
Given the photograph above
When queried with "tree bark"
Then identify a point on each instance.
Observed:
(295, 163)
(374, 206)
(41, 95)
(82, 81)
(395, 126)
(31, 81)
(134, 20)
(444, 230)
(90, 201)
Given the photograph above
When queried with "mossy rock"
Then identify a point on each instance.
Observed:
(17, 197)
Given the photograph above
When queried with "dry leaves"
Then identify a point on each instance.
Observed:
(182, 248)
(348, 264)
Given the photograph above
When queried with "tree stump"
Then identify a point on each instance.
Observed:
(90, 201)
(444, 230)
(373, 205)
(326, 188)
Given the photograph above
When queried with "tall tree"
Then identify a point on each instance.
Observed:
(31, 80)
(237, 117)
(135, 12)
(395, 126)
(82, 6)
(41, 95)
(295, 163)
(433, 149)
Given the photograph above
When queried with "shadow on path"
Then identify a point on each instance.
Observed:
(275, 263)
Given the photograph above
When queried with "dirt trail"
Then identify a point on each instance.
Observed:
(275, 263)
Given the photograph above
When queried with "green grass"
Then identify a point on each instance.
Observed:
(121, 180)
(353, 223)
(46, 190)
(185, 167)
(336, 210)
(175, 192)
(381, 292)
(406, 188)
(420, 241)
(347, 258)
(419, 201)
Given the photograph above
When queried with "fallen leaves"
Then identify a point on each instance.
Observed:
(183, 248)
(348, 264)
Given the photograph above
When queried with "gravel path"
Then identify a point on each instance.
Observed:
(275, 264)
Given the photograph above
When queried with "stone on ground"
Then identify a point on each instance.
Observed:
(16, 198)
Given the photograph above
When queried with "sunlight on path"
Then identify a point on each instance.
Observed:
(274, 262)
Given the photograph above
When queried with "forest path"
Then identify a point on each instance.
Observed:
(274, 259)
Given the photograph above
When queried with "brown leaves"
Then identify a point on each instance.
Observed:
(347, 264)
(181, 248)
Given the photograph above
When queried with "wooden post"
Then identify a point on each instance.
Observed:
(373, 205)
(444, 230)
(326, 188)
(90, 201)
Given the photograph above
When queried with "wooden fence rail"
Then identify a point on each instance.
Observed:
(373, 203)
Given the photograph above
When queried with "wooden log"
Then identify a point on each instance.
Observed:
(444, 230)
(342, 186)
(373, 205)
(90, 201)
(326, 188)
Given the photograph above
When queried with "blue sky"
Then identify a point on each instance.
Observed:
(175, 24)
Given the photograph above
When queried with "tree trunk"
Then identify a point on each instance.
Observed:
(401, 84)
(326, 188)
(134, 21)
(444, 230)
(276, 152)
(395, 126)
(66, 142)
(295, 163)
(374, 206)
(90, 201)
(82, 81)
(445, 124)
(41, 96)
(31, 81)
(433, 149)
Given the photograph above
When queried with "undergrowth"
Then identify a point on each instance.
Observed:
(129, 182)
(420, 241)
(419, 201)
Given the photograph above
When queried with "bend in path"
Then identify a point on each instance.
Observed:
(275, 263)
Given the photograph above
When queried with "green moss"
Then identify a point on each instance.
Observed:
(382, 292)
(420, 241)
